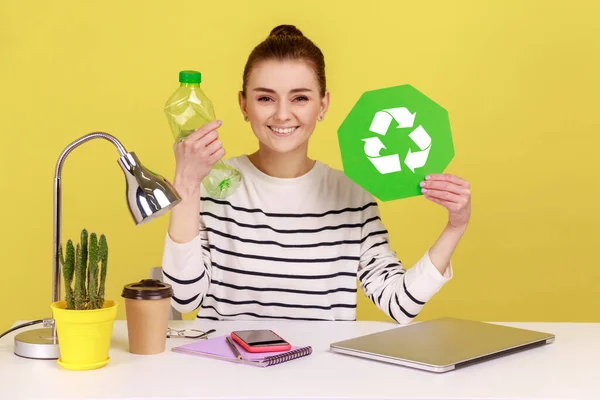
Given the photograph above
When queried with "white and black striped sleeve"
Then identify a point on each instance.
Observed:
(187, 268)
(399, 293)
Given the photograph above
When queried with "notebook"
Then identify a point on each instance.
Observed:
(218, 348)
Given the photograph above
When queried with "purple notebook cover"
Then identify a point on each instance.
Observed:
(219, 347)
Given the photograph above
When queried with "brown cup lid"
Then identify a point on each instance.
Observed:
(147, 289)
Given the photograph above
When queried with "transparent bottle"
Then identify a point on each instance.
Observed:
(187, 110)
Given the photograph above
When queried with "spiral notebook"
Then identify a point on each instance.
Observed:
(218, 348)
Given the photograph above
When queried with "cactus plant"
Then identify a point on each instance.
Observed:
(103, 257)
(81, 263)
(68, 270)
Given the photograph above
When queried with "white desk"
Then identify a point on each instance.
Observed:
(566, 369)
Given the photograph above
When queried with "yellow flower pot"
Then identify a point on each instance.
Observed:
(84, 336)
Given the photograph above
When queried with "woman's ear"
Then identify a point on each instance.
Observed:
(242, 103)
(324, 106)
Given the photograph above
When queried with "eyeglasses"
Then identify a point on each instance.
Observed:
(188, 333)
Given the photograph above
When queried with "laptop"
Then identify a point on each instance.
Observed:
(443, 344)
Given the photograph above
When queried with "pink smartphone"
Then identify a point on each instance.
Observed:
(260, 341)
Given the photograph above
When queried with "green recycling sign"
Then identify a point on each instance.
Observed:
(392, 138)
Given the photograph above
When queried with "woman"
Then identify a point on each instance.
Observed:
(292, 240)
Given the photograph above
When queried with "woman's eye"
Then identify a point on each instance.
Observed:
(264, 98)
(301, 98)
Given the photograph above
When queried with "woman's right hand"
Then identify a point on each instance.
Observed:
(195, 157)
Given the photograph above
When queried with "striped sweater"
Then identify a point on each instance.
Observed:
(294, 249)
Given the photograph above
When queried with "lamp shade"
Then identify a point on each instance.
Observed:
(149, 195)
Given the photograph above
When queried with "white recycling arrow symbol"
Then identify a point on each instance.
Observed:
(391, 163)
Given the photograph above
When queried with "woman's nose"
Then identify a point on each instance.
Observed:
(282, 113)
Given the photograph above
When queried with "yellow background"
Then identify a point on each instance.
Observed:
(520, 80)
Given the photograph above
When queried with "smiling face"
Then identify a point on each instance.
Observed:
(283, 104)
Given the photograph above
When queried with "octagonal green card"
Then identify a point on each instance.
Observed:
(392, 138)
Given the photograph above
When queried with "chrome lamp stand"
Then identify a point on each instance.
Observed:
(149, 196)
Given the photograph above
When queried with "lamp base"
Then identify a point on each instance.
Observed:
(37, 344)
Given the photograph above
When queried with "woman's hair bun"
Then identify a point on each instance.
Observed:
(286, 30)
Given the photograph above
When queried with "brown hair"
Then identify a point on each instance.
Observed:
(286, 42)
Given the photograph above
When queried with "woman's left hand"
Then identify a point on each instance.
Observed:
(451, 192)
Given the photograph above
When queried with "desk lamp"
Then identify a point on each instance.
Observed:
(148, 196)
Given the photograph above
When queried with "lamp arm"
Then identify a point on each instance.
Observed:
(58, 200)
(80, 141)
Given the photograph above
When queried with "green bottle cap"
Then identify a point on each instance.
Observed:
(190, 77)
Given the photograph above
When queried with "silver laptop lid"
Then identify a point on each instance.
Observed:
(442, 344)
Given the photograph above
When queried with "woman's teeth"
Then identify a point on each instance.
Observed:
(285, 131)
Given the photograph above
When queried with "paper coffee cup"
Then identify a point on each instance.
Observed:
(147, 305)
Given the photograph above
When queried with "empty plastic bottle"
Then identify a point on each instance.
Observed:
(187, 110)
